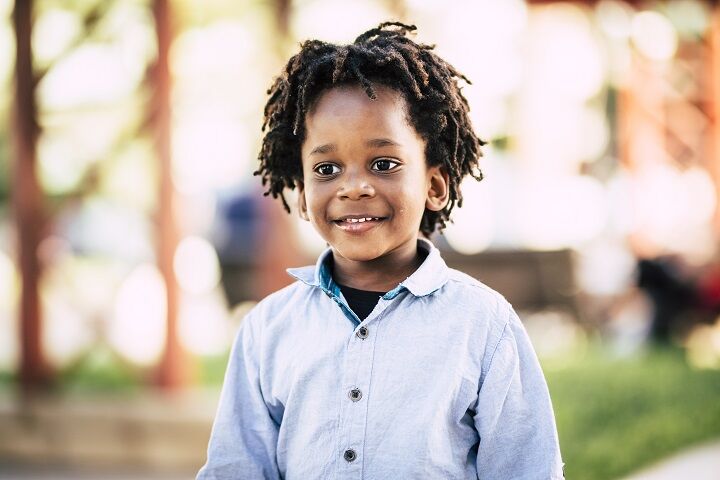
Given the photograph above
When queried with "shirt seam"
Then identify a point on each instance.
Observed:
(497, 345)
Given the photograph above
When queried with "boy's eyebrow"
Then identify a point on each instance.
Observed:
(375, 142)
(327, 148)
(382, 142)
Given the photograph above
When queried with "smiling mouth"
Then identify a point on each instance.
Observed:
(358, 224)
(359, 220)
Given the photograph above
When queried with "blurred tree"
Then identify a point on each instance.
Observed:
(714, 85)
(27, 201)
(172, 372)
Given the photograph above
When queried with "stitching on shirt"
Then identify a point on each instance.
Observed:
(465, 279)
(495, 349)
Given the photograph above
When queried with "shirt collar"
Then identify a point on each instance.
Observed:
(430, 276)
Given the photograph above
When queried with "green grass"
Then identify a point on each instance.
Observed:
(211, 370)
(100, 370)
(615, 416)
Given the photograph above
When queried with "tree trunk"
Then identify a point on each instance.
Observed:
(27, 202)
(172, 372)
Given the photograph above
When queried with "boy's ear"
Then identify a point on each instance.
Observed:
(438, 188)
(302, 205)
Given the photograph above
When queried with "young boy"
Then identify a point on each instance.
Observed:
(379, 362)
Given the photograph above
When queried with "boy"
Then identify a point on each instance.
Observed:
(379, 362)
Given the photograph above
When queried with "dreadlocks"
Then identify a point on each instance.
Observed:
(384, 55)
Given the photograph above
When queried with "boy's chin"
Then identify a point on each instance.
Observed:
(357, 254)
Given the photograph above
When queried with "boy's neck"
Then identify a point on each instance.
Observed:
(378, 275)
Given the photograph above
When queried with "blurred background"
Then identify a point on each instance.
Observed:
(134, 236)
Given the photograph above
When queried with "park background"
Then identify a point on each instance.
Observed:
(134, 236)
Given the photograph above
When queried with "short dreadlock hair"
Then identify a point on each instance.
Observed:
(384, 55)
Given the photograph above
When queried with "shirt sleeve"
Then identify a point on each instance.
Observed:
(514, 416)
(244, 435)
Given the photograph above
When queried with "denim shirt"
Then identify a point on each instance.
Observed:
(440, 381)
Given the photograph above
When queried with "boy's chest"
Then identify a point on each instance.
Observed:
(404, 354)
(404, 380)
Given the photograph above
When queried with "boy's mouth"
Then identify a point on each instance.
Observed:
(357, 223)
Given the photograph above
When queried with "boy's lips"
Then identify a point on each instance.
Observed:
(358, 223)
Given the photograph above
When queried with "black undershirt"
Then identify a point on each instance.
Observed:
(361, 302)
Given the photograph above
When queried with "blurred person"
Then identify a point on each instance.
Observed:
(379, 361)
(669, 293)
(681, 297)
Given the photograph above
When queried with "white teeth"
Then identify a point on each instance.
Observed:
(360, 220)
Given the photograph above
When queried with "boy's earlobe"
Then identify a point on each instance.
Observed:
(302, 204)
(439, 189)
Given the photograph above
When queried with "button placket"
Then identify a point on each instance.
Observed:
(353, 409)
(357, 376)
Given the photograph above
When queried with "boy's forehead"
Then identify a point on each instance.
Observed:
(355, 96)
(349, 107)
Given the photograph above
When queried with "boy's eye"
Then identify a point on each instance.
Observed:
(384, 164)
(327, 169)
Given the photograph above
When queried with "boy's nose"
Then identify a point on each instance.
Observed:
(356, 187)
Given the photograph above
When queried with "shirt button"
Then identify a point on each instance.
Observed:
(355, 394)
(362, 332)
(349, 455)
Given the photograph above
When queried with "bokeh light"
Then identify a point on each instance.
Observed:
(565, 58)
(137, 327)
(320, 19)
(703, 346)
(472, 228)
(561, 211)
(654, 35)
(66, 331)
(196, 265)
(53, 33)
(204, 325)
(615, 18)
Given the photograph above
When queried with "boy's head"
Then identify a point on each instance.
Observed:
(392, 72)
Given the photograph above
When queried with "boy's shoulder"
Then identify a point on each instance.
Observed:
(466, 287)
(286, 297)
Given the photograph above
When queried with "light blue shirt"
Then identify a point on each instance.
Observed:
(440, 381)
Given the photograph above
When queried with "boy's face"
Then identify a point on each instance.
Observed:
(366, 183)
